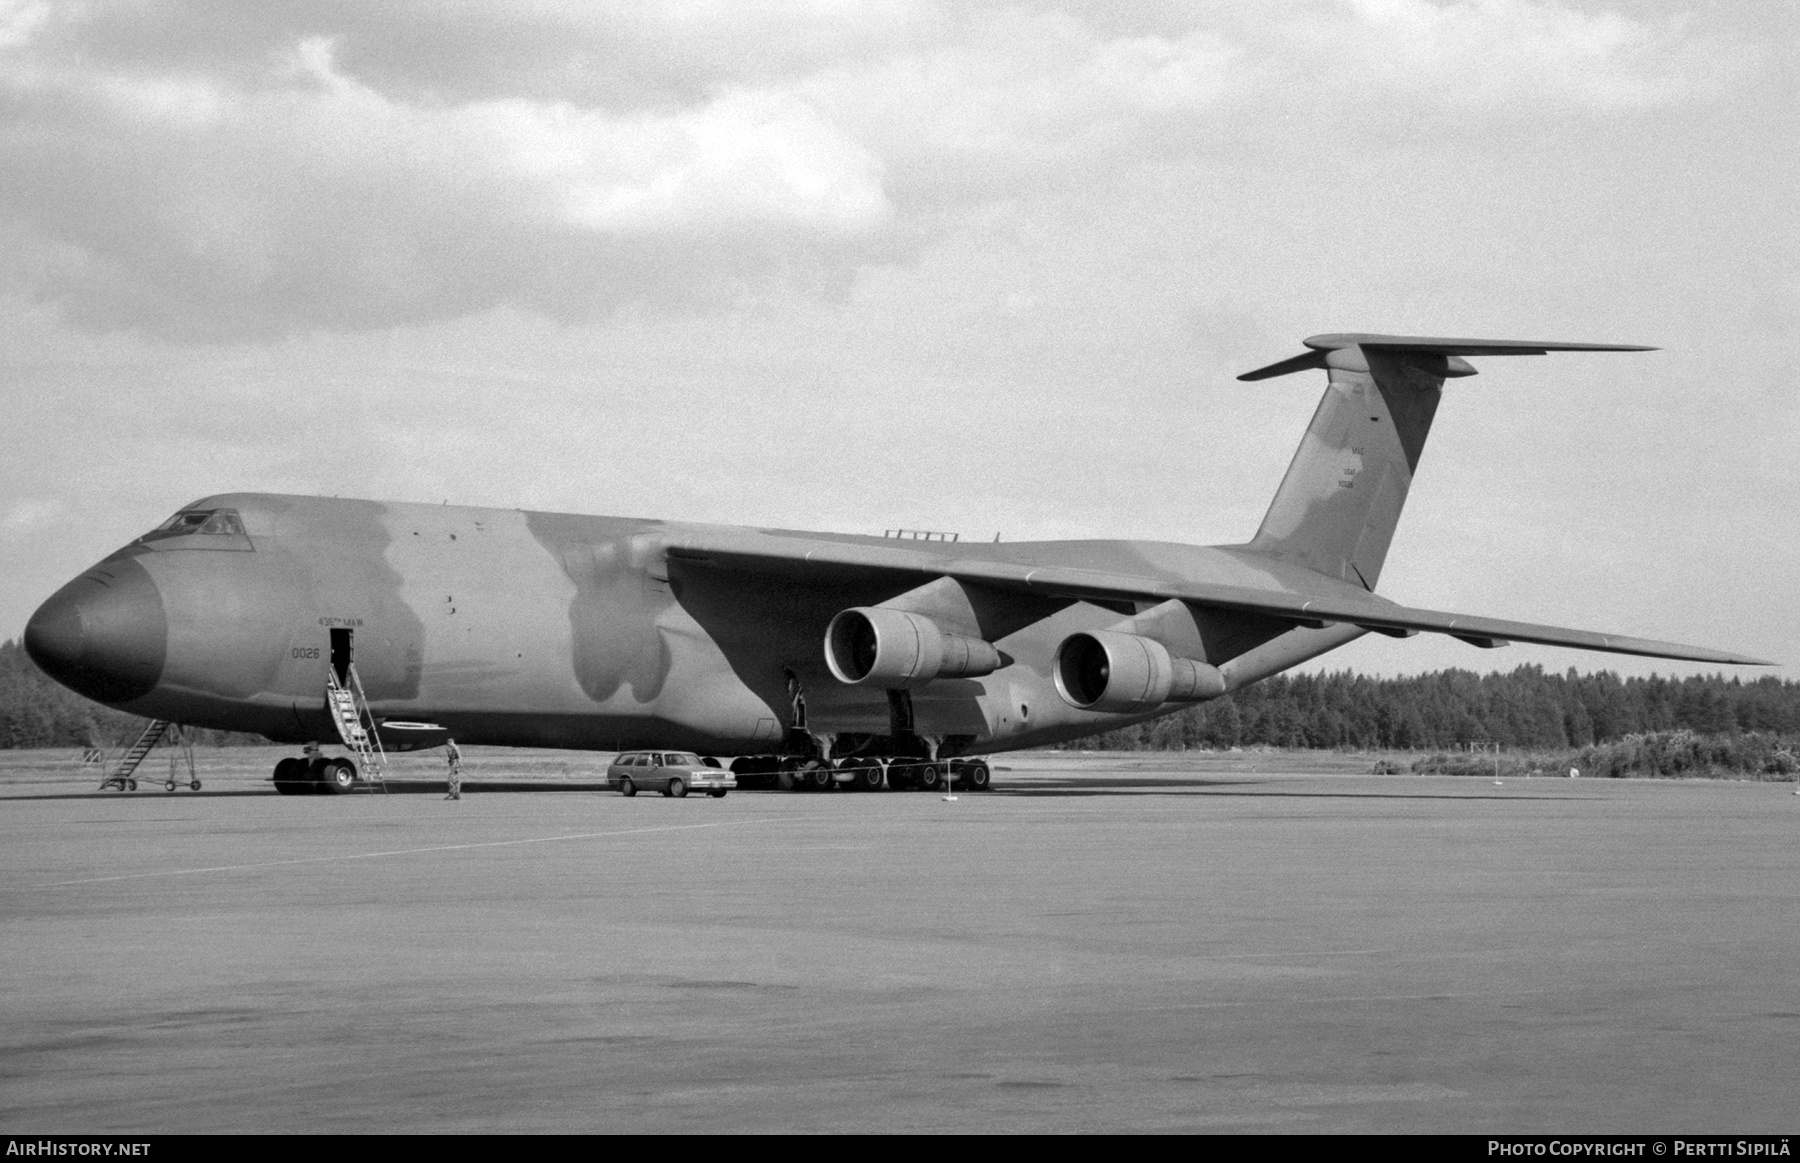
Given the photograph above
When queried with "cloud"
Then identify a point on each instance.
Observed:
(31, 514)
(1489, 52)
(205, 170)
(322, 202)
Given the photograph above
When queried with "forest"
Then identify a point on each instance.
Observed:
(1526, 708)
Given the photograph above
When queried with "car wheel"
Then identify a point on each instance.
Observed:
(717, 793)
(677, 787)
(626, 787)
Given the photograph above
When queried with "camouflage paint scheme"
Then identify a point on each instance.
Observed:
(559, 630)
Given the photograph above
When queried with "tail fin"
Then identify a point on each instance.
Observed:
(1336, 509)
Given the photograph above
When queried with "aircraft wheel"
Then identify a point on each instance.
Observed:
(290, 777)
(865, 774)
(754, 771)
(678, 788)
(977, 777)
(900, 776)
(931, 778)
(130, 785)
(817, 776)
(170, 786)
(194, 785)
(336, 776)
(626, 787)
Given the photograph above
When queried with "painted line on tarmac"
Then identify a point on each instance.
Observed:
(1238, 1003)
(404, 852)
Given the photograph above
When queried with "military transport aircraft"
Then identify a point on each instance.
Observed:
(819, 657)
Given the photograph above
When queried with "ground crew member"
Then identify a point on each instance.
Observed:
(454, 757)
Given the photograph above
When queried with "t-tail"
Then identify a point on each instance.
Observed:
(1336, 509)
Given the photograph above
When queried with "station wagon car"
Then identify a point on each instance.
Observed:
(673, 773)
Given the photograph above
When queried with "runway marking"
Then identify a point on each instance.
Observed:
(402, 852)
(1213, 1005)
(1303, 953)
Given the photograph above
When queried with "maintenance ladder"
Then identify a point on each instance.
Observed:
(355, 723)
(124, 776)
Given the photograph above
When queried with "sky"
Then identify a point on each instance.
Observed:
(986, 268)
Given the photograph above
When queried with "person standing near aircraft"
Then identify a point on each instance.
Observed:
(453, 757)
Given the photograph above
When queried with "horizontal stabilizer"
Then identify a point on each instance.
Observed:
(1323, 345)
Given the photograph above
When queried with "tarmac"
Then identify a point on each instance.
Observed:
(1103, 943)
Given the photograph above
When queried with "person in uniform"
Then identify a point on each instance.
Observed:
(454, 758)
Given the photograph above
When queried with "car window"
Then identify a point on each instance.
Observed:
(682, 759)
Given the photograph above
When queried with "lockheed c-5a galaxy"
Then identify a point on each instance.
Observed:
(814, 657)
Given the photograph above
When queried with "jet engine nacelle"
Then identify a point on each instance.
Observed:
(1107, 671)
(871, 646)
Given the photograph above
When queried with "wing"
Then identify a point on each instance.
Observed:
(1326, 602)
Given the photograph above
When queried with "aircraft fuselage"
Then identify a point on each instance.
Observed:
(557, 630)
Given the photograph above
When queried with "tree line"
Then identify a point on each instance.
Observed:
(1526, 708)
(1523, 709)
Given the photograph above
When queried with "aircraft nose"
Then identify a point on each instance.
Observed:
(105, 634)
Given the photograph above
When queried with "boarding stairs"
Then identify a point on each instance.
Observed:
(124, 775)
(349, 708)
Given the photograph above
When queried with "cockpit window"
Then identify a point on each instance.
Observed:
(185, 522)
(199, 522)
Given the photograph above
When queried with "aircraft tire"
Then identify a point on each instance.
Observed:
(170, 786)
(194, 785)
(626, 787)
(865, 774)
(930, 777)
(754, 771)
(817, 776)
(978, 777)
(291, 777)
(130, 785)
(336, 776)
(678, 788)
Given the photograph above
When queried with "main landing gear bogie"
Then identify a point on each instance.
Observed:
(862, 773)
